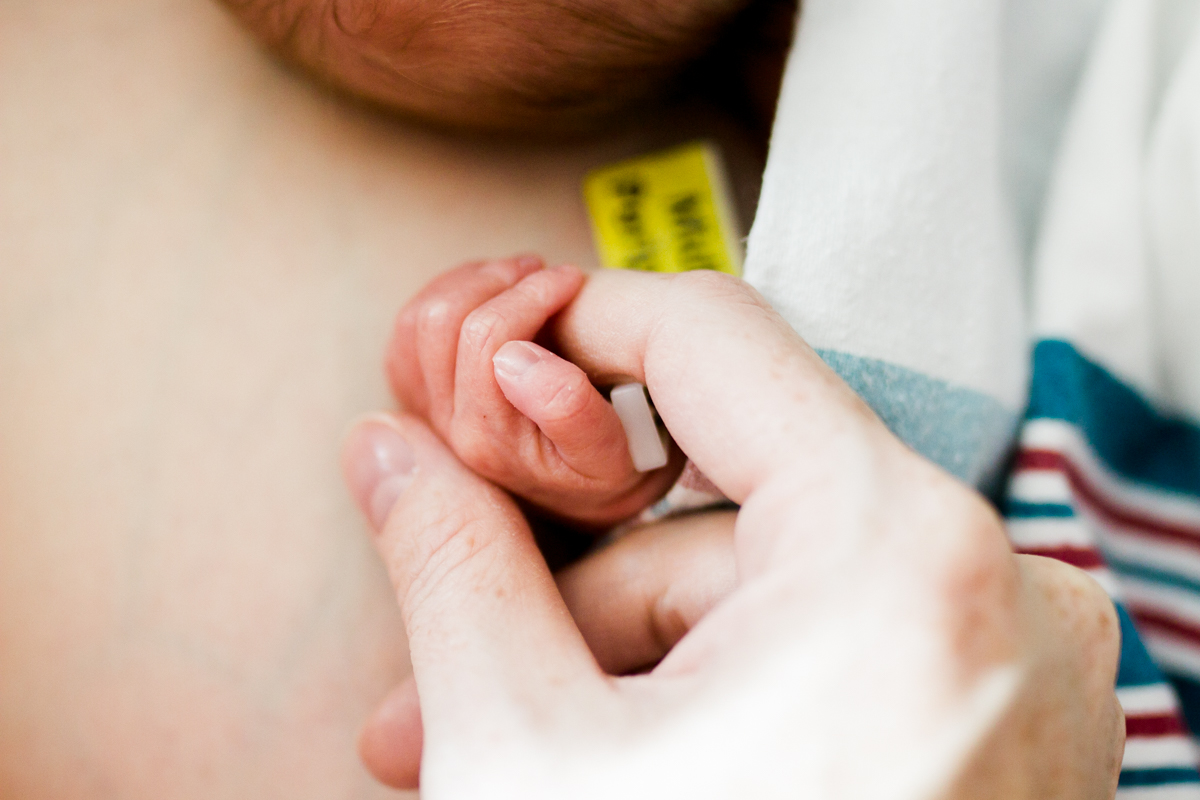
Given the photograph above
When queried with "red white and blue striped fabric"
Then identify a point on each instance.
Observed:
(1106, 483)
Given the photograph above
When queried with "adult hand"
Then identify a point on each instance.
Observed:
(881, 641)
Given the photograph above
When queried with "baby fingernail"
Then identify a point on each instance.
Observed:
(515, 358)
(379, 466)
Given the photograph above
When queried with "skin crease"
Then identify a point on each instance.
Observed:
(201, 255)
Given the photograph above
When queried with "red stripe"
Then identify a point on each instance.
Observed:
(1082, 557)
(1149, 526)
(1165, 622)
(1169, 724)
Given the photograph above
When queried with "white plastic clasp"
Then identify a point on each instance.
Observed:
(645, 444)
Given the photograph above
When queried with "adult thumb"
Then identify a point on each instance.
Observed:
(488, 630)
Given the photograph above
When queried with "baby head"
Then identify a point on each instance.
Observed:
(517, 64)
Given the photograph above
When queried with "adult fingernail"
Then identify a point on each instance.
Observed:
(379, 466)
(515, 358)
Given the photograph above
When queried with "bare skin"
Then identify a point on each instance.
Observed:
(521, 64)
(200, 258)
(881, 639)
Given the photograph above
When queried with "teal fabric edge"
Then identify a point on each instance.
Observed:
(965, 432)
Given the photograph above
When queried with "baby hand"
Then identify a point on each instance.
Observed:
(462, 356)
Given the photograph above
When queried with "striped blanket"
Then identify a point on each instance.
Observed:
(986, 217)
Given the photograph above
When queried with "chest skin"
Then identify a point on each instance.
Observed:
(200, 257)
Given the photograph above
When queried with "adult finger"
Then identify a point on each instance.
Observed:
(391, 739)
(634, 599)
(488, 631)
(1064, 735)
(421, 355)
(708, 347)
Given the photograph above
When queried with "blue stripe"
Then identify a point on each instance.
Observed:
(1136, 442)
(1158, 777)
(1188, 690)
(1019, 509)
(1125, 431)
(1136, 668)
(1140, 445)
(1153, 574)
(965, 432)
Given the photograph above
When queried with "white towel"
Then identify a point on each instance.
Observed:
(908, 156)
(903, 192)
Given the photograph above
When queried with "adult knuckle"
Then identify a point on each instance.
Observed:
(969, 566)
(701, 290)
(980, 556)
(453, 542)
(1106, 627)
(1086, 611)
(969, 527)
(705, 285)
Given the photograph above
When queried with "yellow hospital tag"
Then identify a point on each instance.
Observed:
(665, 212)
